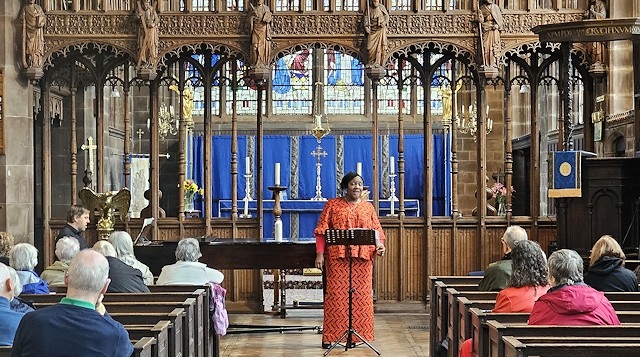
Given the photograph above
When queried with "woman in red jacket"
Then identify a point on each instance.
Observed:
(570, 301)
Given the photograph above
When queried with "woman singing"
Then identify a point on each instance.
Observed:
(348, 212)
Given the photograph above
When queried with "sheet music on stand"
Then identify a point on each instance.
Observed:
(140, 239)
(355, 236)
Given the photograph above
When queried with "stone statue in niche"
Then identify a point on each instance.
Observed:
(33, 20)
(491, 25)
(596, 50)
(260, 17)
(147, 34)
(376, 22)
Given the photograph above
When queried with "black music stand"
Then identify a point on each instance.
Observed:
(349, 237)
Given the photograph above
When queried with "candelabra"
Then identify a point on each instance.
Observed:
(392, 195)
(469, 124)
(167, 122)
(319, 132)
(247, 196)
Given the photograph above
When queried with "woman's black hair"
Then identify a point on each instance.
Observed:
(347, 178)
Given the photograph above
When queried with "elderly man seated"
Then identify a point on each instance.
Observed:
(124, 278)
(497, 274)
(66, 249)
(187, 270)
(74, 327)
(570, 301)
(9, 319)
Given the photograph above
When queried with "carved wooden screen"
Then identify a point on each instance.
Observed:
(1, 112)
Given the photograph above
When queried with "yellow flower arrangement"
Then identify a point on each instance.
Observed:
(190, 189)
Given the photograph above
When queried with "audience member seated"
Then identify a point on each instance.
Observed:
(18, 304)
(123, 244)
(570, 301)
(606, 267)
(496, 276)
(187, 270)
(24, 258)
(74, 327)
(9, 319)
(124, 278)
(527, 283)
(6, 243)
(66, 249)
(77, 220)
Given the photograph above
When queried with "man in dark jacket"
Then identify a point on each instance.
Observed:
(77, 221)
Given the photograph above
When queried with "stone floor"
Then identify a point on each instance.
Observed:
(397, 335)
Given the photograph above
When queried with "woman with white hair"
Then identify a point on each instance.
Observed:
(187, 269)
(124, 278)
(24, 258)
(66, 249)
(123, 245)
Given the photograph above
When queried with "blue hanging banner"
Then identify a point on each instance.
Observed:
(564, 174)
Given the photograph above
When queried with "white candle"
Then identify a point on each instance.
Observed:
(392, 165)
(247, 165)
(246, 208)
(277, 230)
(148, 124)
(171, 111)
(318, 121)
(277, 174)
(359, 168)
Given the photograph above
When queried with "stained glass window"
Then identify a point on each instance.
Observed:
(235, 5)
(287, 5)
(400, 5)
(388, 89)
(293, 83)
(247, 96)
(344, 93)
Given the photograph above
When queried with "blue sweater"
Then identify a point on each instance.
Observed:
(9, 321)
(71, 328)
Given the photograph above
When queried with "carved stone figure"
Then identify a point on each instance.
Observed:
(148, 34)
(595, 50)
(491, 24)
(33, 21)
(375, 25)
(260, 17)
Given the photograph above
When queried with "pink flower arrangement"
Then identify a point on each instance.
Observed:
(499, 192)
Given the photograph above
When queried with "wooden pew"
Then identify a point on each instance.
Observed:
(197, 341)
(439, 308)
(173, 312)
(143, 347)
(498, 330)
(159, 331)
(515, 348)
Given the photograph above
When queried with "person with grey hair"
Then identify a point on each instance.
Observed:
(24, 258)
(570, 301)
(123, 244)
(497, 274)
(66, 249)
(187, 269)
(124, 278)
(9, 319)
(74, 327)
(18, 304)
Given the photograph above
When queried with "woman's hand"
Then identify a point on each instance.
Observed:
(319, 260)
(380, 249)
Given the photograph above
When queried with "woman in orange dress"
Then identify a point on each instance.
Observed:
(350, 211)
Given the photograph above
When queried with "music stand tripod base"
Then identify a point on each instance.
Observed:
(349, 237)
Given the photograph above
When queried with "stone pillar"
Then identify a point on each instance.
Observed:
(16, 165)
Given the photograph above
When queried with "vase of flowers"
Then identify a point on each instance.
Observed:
(190, 190)
(500, 194)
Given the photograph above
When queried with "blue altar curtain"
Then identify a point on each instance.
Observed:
(357, 148)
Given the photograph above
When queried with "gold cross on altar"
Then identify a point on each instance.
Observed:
(90, 147)
(140, 132)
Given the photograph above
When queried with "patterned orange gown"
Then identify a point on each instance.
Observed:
(340, 214)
